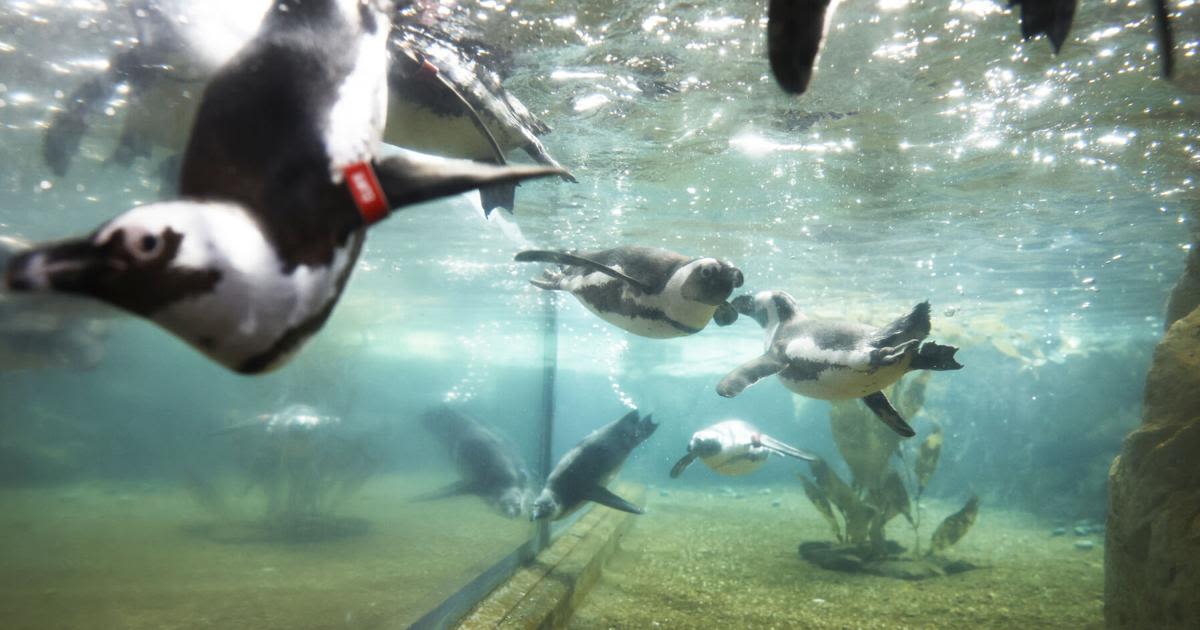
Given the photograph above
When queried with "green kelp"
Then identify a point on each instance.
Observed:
(955, 526)
(818, 498)
(880, 490)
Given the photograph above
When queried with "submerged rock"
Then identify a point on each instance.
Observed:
(853, 559)
(1084, 545)
(1059, 531)
(1152, 543)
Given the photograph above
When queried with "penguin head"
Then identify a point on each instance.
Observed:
(704, 444)
(710, 281)
(766, 307)
(546, 506)
(202, 270)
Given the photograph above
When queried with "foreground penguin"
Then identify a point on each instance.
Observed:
(649, 292)
(279, 182)
(735, 447)
(582, 474)
(835, 359)
(489, 465)
(441, 100)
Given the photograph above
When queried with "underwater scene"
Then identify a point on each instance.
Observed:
(851, 340)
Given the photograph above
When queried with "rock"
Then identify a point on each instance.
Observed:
(827, 556)
(1152, 542)
(776, 503)
(664, 493)
(1084, 545)
(1185, 297)
(1082, 530)
(1059, 531)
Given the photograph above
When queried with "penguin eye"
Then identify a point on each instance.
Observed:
(144, 246)
(707, 272)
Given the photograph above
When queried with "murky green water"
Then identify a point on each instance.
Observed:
(1042, 204)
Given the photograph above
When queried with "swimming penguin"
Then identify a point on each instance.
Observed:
(835, 359)
(279, 182)
(649, 292)
(488, 463)
(734, 447)
(441, 99)
(582, 474)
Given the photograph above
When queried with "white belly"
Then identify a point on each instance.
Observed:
(845, 383)
(740, 460)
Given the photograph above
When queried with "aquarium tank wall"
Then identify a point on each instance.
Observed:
(1042, 202)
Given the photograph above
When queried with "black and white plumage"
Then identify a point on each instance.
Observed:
(442, 100)
(582, 474)
(649, 292)
(489, 464)
(837, 359)
(250, 262)
(735, 447)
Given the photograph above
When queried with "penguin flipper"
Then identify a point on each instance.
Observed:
(452, 489)
(794, 32)
(883, 408)
(412, 178)
(605, 497)
(786, 450)
(683, 463)
(725, 314)
(748, 374)
(563, 258)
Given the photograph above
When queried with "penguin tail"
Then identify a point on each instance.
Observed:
(937, 357)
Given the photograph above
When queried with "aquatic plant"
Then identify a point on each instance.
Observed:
(879, 490)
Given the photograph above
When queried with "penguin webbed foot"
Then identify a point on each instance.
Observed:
(890, 355)
(936, 357)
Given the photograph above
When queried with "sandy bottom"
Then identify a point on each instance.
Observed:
(131, 557)
(699, 560)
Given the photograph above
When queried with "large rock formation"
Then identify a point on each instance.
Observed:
(1186, 295)
(1152, 555)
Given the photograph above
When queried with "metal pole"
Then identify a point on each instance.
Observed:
(549, 372)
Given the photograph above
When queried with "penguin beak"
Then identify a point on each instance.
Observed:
(70, 266)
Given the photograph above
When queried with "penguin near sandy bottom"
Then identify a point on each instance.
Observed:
(489, 465)
(582, 474)
(649, 292)
(280, 180)
(837, 359)
(735, 447)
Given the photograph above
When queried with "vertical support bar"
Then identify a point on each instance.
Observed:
(549, 373)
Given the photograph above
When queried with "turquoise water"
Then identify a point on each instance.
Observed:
(1042, 203)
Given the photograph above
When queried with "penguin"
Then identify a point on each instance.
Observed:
(734, 447)
(582, 474)
(489, 464)
(649, 292)
(441, 99)
(837, 359)
(279, 182)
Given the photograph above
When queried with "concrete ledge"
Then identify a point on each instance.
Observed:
(545, 593)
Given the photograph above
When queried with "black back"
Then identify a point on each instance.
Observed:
(257, 139)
